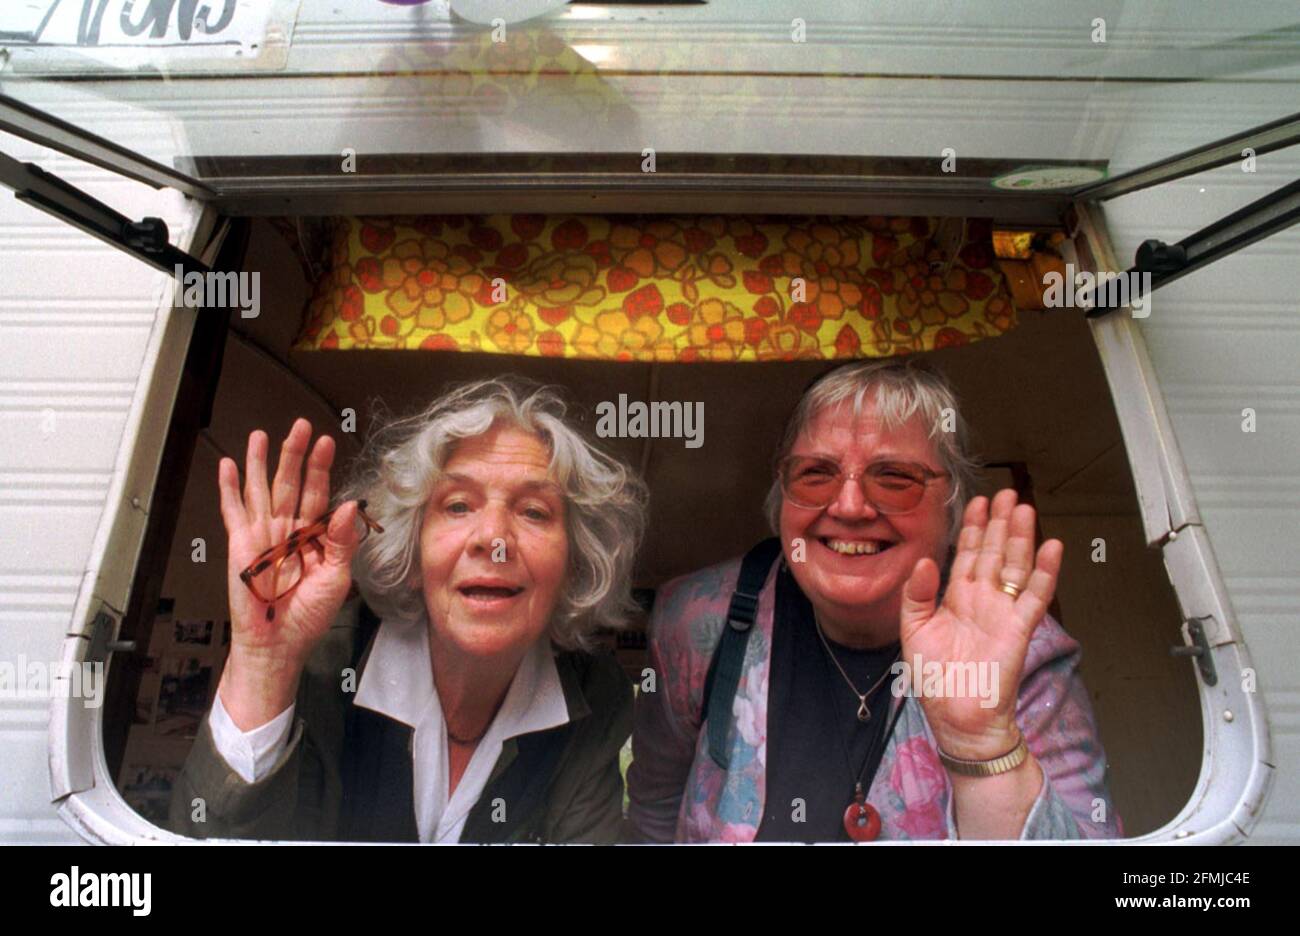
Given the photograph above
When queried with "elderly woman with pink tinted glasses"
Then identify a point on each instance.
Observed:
(887, 667)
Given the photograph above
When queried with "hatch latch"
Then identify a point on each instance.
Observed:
(103, 634)
(1200, 649)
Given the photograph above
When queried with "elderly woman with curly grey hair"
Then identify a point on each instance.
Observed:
(455, 698)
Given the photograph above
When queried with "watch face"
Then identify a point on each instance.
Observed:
(510, 11)
(1045, 178)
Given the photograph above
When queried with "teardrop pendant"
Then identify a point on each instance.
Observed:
(864, 713)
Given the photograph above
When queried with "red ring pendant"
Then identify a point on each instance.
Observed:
(862, 822)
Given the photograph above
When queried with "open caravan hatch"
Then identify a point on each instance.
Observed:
(709, 204)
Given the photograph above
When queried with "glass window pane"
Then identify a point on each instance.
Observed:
(939, 96)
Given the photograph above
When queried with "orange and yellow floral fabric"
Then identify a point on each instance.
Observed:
(656, 288)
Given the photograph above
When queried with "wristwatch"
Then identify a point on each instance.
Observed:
(987, 768)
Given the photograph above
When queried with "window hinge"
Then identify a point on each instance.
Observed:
(146, 240)
(1158, 264)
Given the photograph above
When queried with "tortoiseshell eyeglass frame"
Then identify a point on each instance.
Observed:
(300, 538)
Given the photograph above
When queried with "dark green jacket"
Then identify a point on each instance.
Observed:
(346, 774)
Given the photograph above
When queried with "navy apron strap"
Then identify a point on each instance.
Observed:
(729, 657)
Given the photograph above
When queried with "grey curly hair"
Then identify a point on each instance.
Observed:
(899, 391)
(604, 517)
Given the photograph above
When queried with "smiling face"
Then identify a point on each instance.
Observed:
(495, 500)
(856, 558)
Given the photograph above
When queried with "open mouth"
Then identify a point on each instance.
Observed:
(489, 592)
(845, 547)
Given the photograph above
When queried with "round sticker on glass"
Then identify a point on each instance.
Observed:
(1049, 177)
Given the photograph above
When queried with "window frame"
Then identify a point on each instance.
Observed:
(1236, 751)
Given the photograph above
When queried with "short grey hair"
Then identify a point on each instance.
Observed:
(899, 391)
(604, 516)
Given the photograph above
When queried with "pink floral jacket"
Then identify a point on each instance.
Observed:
(678, 793)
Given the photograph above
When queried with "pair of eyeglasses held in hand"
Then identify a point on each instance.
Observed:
(277, 571)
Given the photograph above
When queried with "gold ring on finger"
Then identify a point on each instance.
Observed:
(1011, 588)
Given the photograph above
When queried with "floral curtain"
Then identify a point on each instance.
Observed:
(657, 288)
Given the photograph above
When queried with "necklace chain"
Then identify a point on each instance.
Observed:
(864, 711)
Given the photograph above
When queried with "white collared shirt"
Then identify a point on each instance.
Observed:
(398, 682)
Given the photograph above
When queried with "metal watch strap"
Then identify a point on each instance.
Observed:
(988, 768)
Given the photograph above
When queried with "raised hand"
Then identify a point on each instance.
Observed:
(979, 622)
(268, 652)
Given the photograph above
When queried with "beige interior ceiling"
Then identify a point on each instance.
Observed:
(1037, 396)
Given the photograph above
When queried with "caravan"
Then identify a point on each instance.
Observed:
(360, 169)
